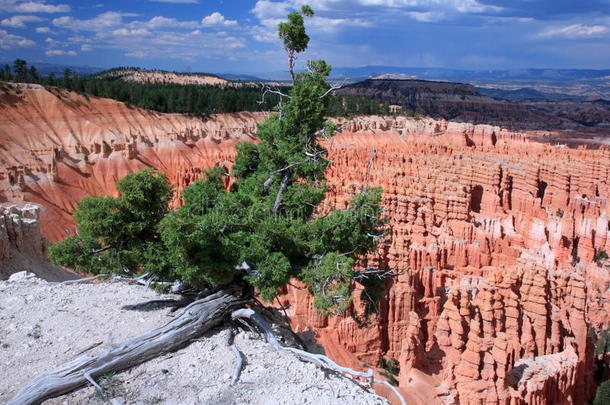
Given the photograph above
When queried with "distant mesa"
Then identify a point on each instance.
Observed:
(161, 77)
(394, 76)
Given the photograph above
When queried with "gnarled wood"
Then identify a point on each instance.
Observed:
(193, 321)
(318, 359)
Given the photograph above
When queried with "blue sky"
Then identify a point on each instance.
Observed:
(239, 35)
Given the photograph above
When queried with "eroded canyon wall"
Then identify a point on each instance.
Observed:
(493, 236)
(57, 147)
(23, 246)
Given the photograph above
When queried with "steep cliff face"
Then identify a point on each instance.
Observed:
(493, 235)
(57, 147)
(22, 244)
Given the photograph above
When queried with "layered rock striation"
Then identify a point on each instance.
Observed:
(494, 239)
(57, 147)
(493, 236)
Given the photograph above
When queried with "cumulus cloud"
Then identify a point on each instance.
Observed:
(103, 21)
(43, 30)
(9, 41)
(462, 6)
(158, 37)
(217, 20)
(18, 21)
(160, 21)
(271, 13)
(86, 48)
(59, 52)
(373, 12)
(124, 32)
(20, 6)
(574, 31)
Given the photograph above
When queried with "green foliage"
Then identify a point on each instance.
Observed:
(119, 234)
(602, 395)
(600, 256)
(602, 341)
(391, 369)
(21, 70)
(263, 231)
(574, 253)
(292, 33)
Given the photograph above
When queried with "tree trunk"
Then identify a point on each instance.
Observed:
(192, 322)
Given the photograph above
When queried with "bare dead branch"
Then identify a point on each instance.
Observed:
(333, 88)
(280, 193)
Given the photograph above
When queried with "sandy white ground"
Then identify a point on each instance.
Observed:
(44, 325)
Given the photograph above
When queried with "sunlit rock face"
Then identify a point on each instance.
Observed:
(493, 235)
(23, 247)
(57, 147)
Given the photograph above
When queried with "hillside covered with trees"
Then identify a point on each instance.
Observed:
(196, 99)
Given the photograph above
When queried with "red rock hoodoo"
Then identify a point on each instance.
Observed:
(493, 235)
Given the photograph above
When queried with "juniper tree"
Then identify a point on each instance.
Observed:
(264, 230)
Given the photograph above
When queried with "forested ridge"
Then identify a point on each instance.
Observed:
(180, 98)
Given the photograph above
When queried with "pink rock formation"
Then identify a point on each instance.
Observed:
(159, 76)
(58, 147)
(493, 235)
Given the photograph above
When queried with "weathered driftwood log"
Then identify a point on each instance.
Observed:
(193, 321)
(318, 359)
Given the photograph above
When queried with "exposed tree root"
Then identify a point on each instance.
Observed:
(317, 359)
(193, 321)
(239, 357)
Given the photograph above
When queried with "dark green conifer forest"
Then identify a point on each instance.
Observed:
(192, 99)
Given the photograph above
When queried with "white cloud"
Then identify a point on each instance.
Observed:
(574, 31)
(9, 41)
(271, 13)
(86, 48)
(18, 21)
(59, 52)
(426, 16)
(19, 6)
(160, 21)
(217, 20)
(266, 9)
(104, 21)
(126, 32)
(354, 10)
(43, 30)
(462, 6)
(158, 37)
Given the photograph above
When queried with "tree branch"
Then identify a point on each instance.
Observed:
(280, 193)
(194, 320)
(333, 88)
